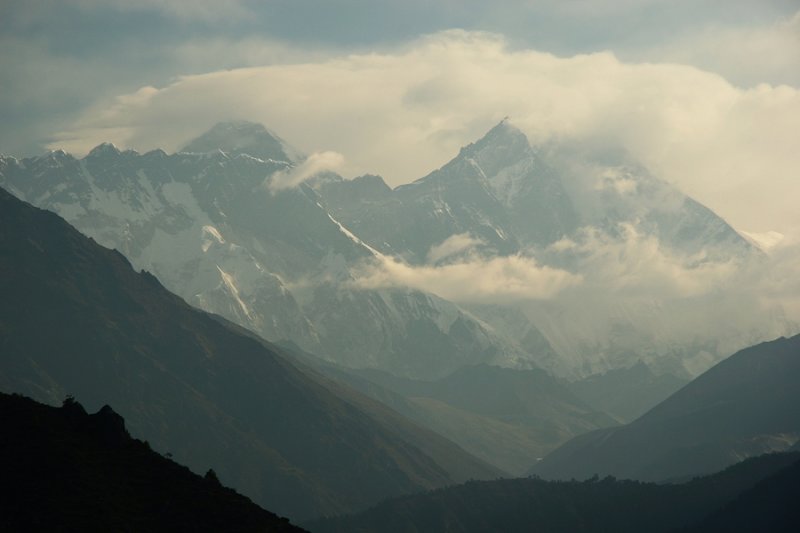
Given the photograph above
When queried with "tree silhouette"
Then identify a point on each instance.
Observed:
(212, 477)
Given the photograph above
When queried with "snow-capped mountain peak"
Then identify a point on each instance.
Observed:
(244, 137)
(502, 146)
(284, 264)
(104, 149)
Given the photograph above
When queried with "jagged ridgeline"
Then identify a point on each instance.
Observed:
(286, 263)
(278, 264)
(66, 470)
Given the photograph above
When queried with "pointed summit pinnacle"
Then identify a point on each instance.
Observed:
(102, 149)
(504, 138)
(243, 137)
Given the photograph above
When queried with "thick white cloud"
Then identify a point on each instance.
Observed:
(496, 280)
(404, 112)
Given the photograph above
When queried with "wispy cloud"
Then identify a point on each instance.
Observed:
(500, 279)
(311, 166)
(453, 245)
(630, 263)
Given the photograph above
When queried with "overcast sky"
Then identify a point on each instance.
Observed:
(705, 93)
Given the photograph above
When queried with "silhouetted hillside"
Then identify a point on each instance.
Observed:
(65, 470)
(596, 505)
(747, 405)
(76, 319)
(770, 505)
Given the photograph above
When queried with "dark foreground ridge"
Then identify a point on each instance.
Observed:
(756, 495)
(66, 470)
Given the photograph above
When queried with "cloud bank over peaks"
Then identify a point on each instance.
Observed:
(406, 110)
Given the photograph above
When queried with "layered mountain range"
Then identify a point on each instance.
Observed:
(377, 376)
(654, 474)
(512, 197)
(279, 264)
(746, 405)
(76, 319)
(290, 263)
(507, 417)
(754, 495)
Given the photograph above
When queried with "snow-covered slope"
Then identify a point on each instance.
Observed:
(277, 263)
(243, 137)
(168, 215)
(497, 189)
(645, 251)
